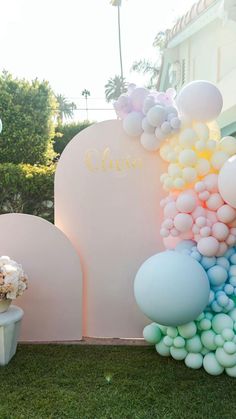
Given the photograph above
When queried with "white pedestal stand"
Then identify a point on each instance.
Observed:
(9, 333)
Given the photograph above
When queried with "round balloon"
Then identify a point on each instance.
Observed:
(165, 284)
(226, 181)
(200, 101)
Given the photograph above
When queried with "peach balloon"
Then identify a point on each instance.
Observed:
(226, 213)
(214, 202)
(220, 231)
(208, 246)
(183, 222)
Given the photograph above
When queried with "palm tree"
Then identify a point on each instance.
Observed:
(152, 68)
(115, 87)
(86, 93)
(148, 67)
(65, 109)
(117, 3)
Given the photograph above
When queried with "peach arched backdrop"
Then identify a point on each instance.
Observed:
(107, 195)
(53, 302)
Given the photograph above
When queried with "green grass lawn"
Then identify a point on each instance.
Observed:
(96, 382)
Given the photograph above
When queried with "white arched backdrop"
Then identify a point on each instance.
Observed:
(107, 196)
(53, 302)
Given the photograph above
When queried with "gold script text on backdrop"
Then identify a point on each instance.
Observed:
(96, 160)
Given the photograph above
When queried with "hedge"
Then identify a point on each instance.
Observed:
(65, 133)
(28, 189)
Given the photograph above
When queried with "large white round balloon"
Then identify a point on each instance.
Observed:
(171, 288)
(200, 101)
(132, 124)
(226, 181)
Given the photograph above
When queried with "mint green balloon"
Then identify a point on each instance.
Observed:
(194, 344)
(231, 371)
(194, 360)
(227, 334)
(211, 365)
(219, 341)
(179, 342)
(222, 321)
(172, 332)
(178, 353)
(168, 341)
(208, 339)
(229, 347)
(224, 359)
(162, 349)
(187, 330)
(152, 333)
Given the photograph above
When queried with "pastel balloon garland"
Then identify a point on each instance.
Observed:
(190, 291)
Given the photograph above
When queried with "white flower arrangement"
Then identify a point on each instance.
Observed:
(13, 281)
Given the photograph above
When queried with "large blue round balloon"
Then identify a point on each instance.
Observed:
(171, 288)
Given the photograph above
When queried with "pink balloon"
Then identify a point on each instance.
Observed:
(204, 196)
(183, 222)
(208, 246)
(200, 187)
(185, 202)
(211, 182)
(137, 98)
(211, 217)
(222, 249)
(231, 240)
(226, 213)
(205, 231)
(171, 242)
(198, 212)
(220, 231)
(214, 202)
(170, 210)
(201, 221)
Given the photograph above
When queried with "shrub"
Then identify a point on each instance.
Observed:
(65, 133)
(28, 189)
(27, 110)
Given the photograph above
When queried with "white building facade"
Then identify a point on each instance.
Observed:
(202, 45)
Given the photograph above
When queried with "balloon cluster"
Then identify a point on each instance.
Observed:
(189, 292)
(152, 116)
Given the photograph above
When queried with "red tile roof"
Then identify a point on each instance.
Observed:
(196, 10)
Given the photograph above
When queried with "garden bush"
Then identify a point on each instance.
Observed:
(28, 189)
(27, 110)
(65, 133)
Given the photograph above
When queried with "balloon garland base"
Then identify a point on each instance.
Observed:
(208, 342)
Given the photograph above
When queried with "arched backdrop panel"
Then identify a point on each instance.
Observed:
(107, 195)
(53, 302)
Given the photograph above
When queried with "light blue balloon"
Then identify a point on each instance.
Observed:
(217, 275)
(185, 244)
(152, 333)
(208, 262)
(171, 288)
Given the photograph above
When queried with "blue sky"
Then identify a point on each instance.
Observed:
(74, 43)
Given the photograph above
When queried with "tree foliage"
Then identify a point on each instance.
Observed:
(28, 189)
(65, 109)
(65, 133)
(27, 110)
(115, 87)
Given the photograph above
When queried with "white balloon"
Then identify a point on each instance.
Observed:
(226, 181)
(200, 101)
(165, 285)
(150, 141)
(228, 144)
(132, 124)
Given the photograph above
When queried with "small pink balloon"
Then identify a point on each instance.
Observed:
(208, 246)
(170, 210)
(195, 229)
(211, 182)
(205, 231)
(214, 202)
(222, 249)
(201, 221)
(204, 196)
(171, 242)
(168, 223)
(137, 98)
(198, 212)
(200, 187)
(231, 240)
(233, 231)
(211, 217)
(220, 231)
(183, 222)
(174, 232)
(226, 213)
(164, 232)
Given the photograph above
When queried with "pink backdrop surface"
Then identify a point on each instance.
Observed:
(107, 195)
(53, 302)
